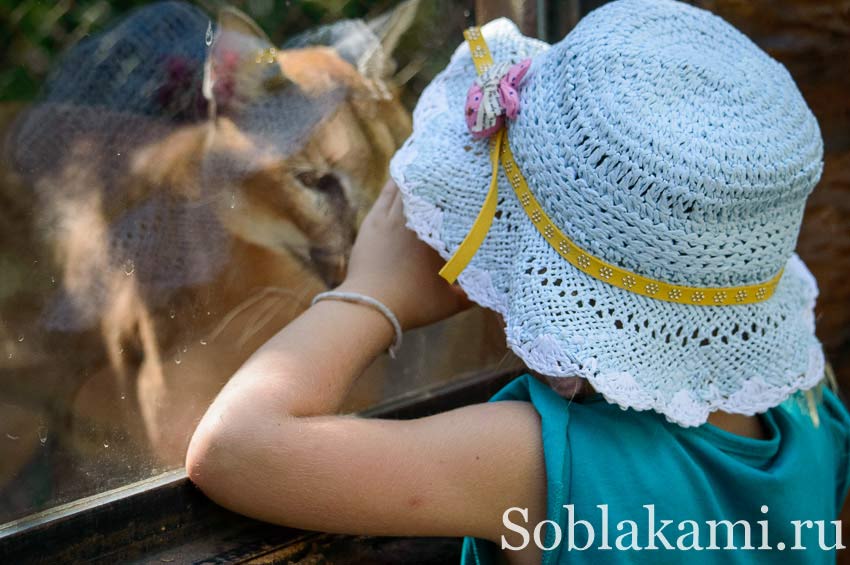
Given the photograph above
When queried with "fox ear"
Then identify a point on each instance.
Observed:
(366, 45)
(235, 21)
(389, 28)
(241, 63)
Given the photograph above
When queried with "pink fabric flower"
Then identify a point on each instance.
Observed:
(509, 85)
(493, 96)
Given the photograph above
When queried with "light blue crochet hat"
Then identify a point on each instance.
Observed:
(663, 141)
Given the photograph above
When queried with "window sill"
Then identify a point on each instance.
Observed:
(166, 519)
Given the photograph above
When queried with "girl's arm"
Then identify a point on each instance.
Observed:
(269, 446)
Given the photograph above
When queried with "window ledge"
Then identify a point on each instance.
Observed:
(166, 519)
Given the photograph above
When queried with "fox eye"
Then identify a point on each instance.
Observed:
(329, 184)
(325, 183)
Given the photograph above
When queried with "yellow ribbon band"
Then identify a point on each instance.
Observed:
(475, 237)
(595, 267)
(621, 278)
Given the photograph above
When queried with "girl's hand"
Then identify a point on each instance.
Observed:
(389, 263)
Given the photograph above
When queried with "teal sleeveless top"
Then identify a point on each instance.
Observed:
(597, 454)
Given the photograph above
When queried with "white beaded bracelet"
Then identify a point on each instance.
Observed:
(357, 298)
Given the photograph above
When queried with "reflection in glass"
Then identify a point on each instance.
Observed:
(179, 191)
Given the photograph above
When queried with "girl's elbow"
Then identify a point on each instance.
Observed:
(217, 444)
(207, 459)
(233, 469)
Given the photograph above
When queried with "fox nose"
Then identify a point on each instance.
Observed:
(331, 260)
(333, 265)
(330, 265)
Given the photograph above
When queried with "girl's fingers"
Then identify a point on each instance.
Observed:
(397, 210)
(385, 198)
(396, 196)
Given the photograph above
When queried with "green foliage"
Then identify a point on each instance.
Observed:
(33, 33)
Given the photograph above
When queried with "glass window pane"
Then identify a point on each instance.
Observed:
(176, 185)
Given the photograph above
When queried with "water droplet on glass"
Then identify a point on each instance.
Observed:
(42, 434)
(177, 360)
(123, 397)
(52, 280)
(209, 35)
(106, 444)
(21, 337)
(232, 200)
(203, 342)
(129, 267)
(172, 314)
(185, 349)
(11, 355)
(13, 438)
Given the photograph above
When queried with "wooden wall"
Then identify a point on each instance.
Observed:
(812, 38)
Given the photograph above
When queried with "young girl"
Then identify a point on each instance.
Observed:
(628, 199)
